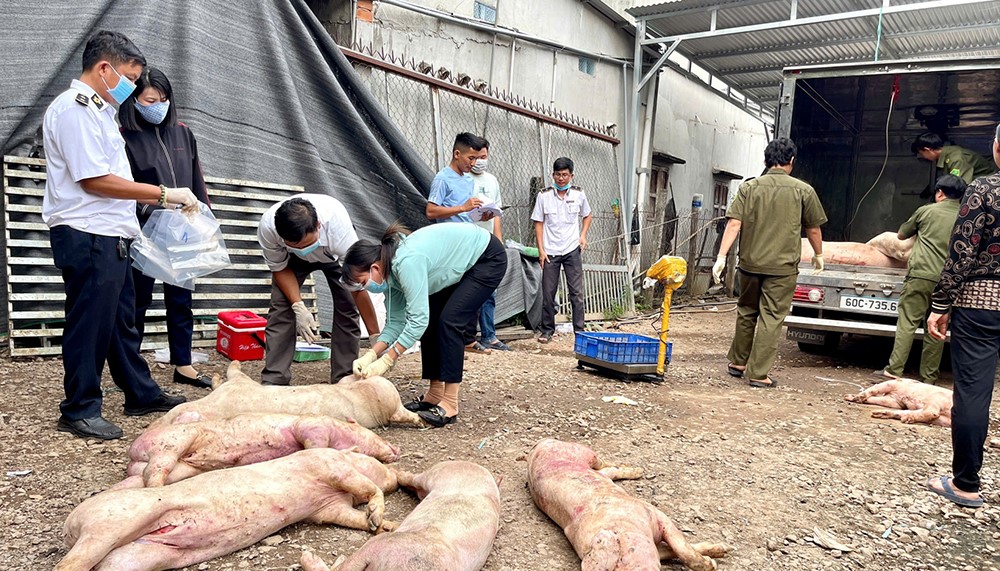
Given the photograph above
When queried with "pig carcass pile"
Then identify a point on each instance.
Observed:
(883, 251)
(222, 473)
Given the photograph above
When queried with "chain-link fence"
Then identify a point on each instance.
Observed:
(523, 145)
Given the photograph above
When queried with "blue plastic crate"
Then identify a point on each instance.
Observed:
(621, 348)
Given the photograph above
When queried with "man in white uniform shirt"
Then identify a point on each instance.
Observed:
(557, 214)
(301, 235)
(89, 207)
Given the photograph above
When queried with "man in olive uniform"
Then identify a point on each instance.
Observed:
(933, 225)
(768, 214)
(950, 159)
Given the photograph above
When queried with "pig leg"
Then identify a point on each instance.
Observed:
(621, 472)
(675, 540)
(141, 556)
(98, 536)
(603, 554)
(406, 418)
(311, 562)
(713, 550)
(887, 402)
(352, 482)
(920, 416)
(881, 389)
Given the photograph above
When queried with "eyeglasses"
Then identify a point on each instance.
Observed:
(350, 285)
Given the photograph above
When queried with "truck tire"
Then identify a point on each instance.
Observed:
(831, 341)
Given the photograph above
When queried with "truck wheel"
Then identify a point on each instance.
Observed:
(831, 341)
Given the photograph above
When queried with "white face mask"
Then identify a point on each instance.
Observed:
(480, 166)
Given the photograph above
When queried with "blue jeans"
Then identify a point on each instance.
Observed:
(488, 329)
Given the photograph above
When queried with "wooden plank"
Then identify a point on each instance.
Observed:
(58, 331)
(23, 160)
(27, 226)
(18, 173)
(158, 296)
(255, 184)
(218, 207)
(25, 190)
(35, 315)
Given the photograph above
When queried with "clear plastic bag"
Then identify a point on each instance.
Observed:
(176, 248)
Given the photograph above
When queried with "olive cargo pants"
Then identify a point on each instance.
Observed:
(760, 312)
(914, 302)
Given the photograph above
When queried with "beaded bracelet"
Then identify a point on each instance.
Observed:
(163, 196)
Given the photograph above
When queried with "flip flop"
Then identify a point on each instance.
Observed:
(948, 492)
(734, 372)
(760, 384)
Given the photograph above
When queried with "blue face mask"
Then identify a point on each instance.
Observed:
(303, 252)
(121, 91)
(155, 113)
(375, 287)
(563, 187)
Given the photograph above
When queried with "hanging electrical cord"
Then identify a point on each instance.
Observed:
(892, 99)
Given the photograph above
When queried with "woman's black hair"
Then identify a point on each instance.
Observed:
(129, 116)
(364, 253)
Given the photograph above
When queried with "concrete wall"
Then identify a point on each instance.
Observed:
(708, 133)
(598, 97)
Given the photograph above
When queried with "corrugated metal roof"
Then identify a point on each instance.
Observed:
(752, 61)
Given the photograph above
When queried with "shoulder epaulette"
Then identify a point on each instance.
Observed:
(82, 99)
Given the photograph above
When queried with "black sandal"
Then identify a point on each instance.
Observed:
(202, 381)
(734, 372)
(418, 404)
(435, 416)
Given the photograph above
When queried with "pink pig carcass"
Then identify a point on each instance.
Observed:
(452, 529)
(372, 402)
(609, 529)
(174, 452)
(911, 401)
(216, 513)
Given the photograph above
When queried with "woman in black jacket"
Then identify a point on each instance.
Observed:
(163, 151)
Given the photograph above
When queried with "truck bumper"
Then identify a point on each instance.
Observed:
(811, 329)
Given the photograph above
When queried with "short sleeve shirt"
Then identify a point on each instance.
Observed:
(82, 140)
(336, 233)
(451, 189)
(933, 225)
(487, 185)
(560, 215)
(773, 209)
(964, 163)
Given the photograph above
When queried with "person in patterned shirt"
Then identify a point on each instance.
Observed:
(970, 289)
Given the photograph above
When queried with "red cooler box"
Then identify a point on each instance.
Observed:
(241, 335)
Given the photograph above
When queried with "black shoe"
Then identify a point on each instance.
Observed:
(96, 427)
(162, 403)
(417, 405)
(435, 416)
(202, 381)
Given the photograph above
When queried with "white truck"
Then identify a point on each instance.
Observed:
(853, 125)
(853, 300)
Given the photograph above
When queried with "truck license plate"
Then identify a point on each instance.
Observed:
(869, 304)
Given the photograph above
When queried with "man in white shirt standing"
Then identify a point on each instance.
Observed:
(89, 207)
(301, 235)
(557, 214)
(487, 186)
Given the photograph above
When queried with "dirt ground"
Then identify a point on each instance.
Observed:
(760, 469)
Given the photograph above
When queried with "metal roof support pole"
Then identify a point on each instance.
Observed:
(633, 130)
(659, 64)
(786, 102)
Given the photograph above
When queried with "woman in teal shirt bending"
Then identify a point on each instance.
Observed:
(436, 279)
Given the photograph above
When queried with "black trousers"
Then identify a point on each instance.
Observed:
(454, 310)
(180, 318)
(975, 340)
(100, 323)
(280, 333)
(573, 264)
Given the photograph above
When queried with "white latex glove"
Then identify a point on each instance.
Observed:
(363, 361)
(379, 368)
(184, 198)
(720, 264)
(305, 324)
(818, 264)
